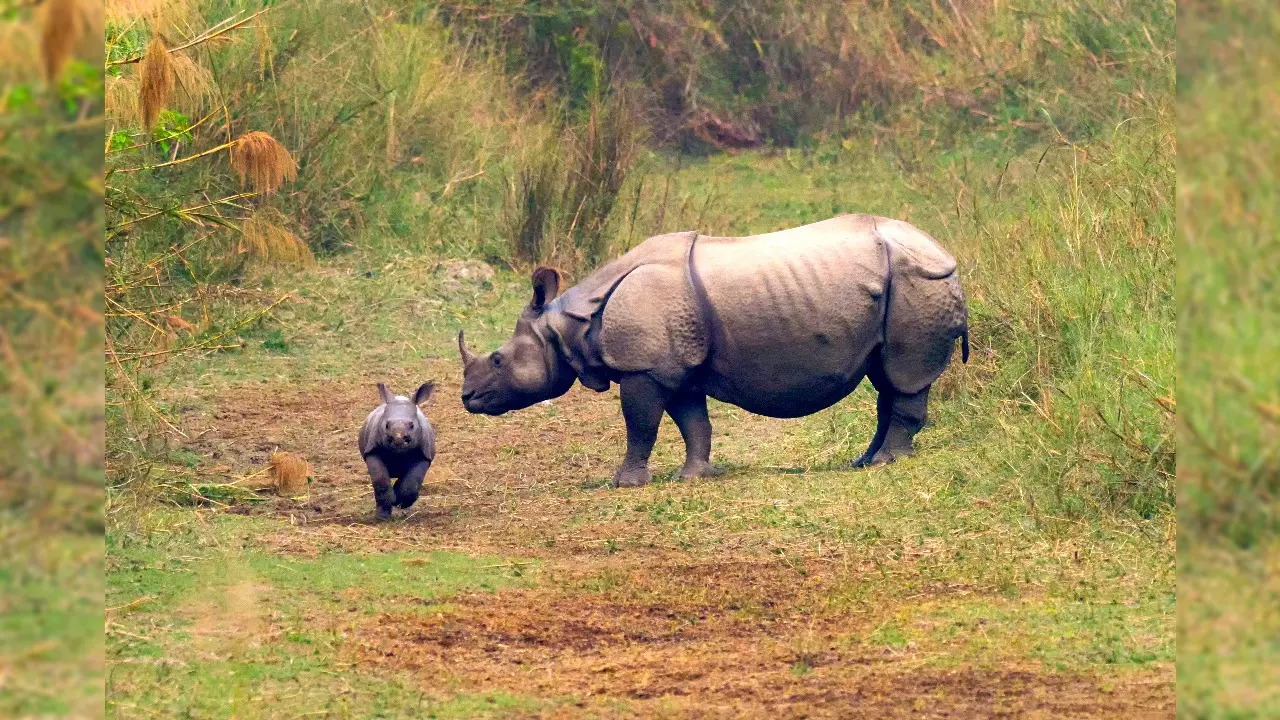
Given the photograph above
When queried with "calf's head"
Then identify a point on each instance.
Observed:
(528, 368)
(399, 429)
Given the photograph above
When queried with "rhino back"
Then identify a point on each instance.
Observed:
(796, 303)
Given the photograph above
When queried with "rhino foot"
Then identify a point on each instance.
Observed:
(883, 457)
(699, 469)
(384, 513)
(632, 477)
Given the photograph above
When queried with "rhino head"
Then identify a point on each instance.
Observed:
(400, 429)
(528, 368)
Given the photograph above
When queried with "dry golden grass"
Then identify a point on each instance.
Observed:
(265, 239)
(162, 16)
(262, 161)
(157, 81)
(121, 98)
(288, 473)
(62, 27)
(195, 84)
(18, 56)
(162, 78)
(266, 50)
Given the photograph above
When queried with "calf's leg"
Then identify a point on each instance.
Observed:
(382, 494)
(408, 487)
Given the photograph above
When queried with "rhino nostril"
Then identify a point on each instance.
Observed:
(468, 395)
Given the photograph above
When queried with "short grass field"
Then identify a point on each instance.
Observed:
(1021, 565)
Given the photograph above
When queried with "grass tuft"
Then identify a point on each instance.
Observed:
(289, 473)
(156, 84)
(264, 238)
(62, 28)
(262, 162)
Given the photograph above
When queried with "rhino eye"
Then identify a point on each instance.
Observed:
(497, 359)
(387, 425)
(410, 426)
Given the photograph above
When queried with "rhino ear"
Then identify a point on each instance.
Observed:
(547, 282)
(424, 393)
(384, 393)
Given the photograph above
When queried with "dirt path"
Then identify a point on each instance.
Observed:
(671, 622)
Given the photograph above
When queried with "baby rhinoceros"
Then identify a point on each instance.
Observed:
(398, 442)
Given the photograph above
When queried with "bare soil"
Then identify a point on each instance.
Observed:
(656, 631)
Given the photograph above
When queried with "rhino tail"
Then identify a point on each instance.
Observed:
(964, 346)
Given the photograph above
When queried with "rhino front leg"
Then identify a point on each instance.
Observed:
(643, 402)
(689, 411)
(382, 494)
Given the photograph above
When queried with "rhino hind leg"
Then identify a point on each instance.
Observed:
(689, 411)
(408, 487)
(643, 402)
(899, 416)
(907, 417)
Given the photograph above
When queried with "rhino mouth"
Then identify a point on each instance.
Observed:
(478, 403)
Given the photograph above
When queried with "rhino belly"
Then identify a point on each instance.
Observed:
(802, 398)
(790, 374)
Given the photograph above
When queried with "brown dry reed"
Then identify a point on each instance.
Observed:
(289, 473)
(195, 86)
(263, 162)
(63, 27)
(264, 238)
(157, 81)
(161, 16)
(121, 98)
(19, 56)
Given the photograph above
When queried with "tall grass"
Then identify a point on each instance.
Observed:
(1228, 216)
(566, 187)
(733, 74)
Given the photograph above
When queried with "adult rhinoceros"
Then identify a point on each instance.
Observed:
(782, 324)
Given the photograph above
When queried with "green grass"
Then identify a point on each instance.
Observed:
(51, 478)
(1229, 200)
(50, 623)
(193, 605)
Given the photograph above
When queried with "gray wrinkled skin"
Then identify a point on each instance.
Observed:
(396, 441)
(782, 324)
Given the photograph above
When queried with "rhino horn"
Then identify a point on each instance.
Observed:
(463, 351)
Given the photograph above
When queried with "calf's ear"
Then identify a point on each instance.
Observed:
(384, 393)
(424, 393)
